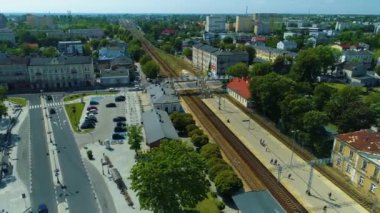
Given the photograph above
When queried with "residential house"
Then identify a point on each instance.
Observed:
(70, 47)
(357, 156)
(87, 33)
(14, 71)
(167, 32)
(7, 35)
(287, 45)
(357, 56)
(270, 54)
(357, 75)
(61, 72)
(163, 97)
(290, 34)
(157, 126)
(238, 88)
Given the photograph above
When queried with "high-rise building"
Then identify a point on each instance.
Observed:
(39, 21)
(266, 23)
(3, 21)
(244, 24)
(215, 24)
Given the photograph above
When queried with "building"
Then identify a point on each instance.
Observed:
(356, 74)
(157, 126)
(357, 156)
(270, 54)
(377, 28)
(3, 21)
(39, 21)
(290, 34)
(357, 56)
(7, 35)
(119, 73)
(244, 24)
(238, 88)
(287, 45)
(114, 50)
(86, 33)
(14, 71)
(61, 72)
(257, 202)
(340, 26)
(163, 97)
(215, 24)
(70, 47)
(207, 58)
(266, 23)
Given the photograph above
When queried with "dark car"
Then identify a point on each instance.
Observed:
(121, 124)
(52, 111)
(42, 208)
(120, 98)
(111, 105)
(120, 129)
(87, 125)
(117, 137)
(92, 107)
(119, 119)
(92, 118)
(94, 103)
(49, 98)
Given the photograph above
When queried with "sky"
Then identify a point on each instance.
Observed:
(193, 6)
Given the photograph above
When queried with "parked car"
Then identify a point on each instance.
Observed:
(120, 98)
(112, 90)
(49, 98)
(93, 111)
(91, 107)
(121, 124)
(42, 208)
(88, 125)
(91, 119)
(111, 105)
(117, 137)
(119, 118)
(90, 114)
(52, 111)
(94, 103)
(120, 129)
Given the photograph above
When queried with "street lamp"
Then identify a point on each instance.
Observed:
(294, 132)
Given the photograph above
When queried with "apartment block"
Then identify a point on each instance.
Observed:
(215, 24)
(244, 24)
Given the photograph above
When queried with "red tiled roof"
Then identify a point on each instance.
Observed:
(168, 31)
(363, 140)
(240, 86)
(259, 38)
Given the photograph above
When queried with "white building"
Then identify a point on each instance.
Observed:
(70, 47)
(119, 72)
(215, 24)
(340, 26)
(287, 45)
(61, 72)
(238, 88)
(163, 97)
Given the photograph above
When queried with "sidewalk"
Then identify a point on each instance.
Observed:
(12, 188)
(297, 184)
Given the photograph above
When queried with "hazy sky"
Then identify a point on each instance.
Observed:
(193, 6)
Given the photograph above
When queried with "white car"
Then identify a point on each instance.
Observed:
(112, 90)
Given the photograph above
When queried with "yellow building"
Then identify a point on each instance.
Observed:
(244, 24)
(357, 155)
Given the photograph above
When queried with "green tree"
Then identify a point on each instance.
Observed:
(210, 162)
(3, 110)
(87, 49)
(145, 59)
(251, 54)
(188, 52)
(151, 69)
(227, 40)
(355, 116)
(199, 140)
(210, 150)
(216, 169)
(314, 131)
(227, 183)
(260, 69)
(328, 56)
(282, 64)
(50, 52)
(307, 66)
(190, 128)
(238, 70)
(135, 137)
(181, 121)
(293, 109)
(136, 52)
(169, 178)
(322, 94)
(337, 104)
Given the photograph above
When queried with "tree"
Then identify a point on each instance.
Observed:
(169, 178)
(199, 140)
(238, 70)
(315, 133)
(340, 99)
(293, 108)
(228, 40)
(307, 66)
(227, 183)
(145, 59)
(3, 110)
(188, 52)
(135, 51)
(322, 94)
(50, 52)
(251, 54)
(355, 116)
(327, 57)
(260, 69)
(135, 137)
(190, 128)
(210, 162)
(282, 64)
(181, 121)
(87, 49)
(151, 69)
(210, 150)
(216, 169)
(377, 70)
(195, 132)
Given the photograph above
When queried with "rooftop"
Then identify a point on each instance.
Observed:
(206, 48)
(39, 61)
(274, 50)
(162, 93)
(240, 86)
(260, 201)
(12, 60)
(364, 140)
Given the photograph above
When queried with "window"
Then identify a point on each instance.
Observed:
(341, 147)
(348, 169)
(351, 155)
(364, 165)
(338, 161)
(372, 188)
(375, 172)
(361, 180)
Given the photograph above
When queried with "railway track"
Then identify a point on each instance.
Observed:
(249, 167)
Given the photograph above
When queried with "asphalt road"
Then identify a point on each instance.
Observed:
(42, 180)
(80, 197)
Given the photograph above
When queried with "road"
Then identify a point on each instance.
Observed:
(81, 197)
(42, 181)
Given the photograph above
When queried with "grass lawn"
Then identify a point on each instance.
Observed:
(208, 205)
(74, 117)
(178, 64)
(18, 100)
(79, 95)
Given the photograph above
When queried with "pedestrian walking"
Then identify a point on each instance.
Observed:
(324, 208)
(271, 161)
(266, 149)
(275, 162)
(330, 195)
(289, 176)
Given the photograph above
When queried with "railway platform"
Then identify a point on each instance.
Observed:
(254, 136)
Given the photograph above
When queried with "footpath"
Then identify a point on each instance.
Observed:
(252, 136)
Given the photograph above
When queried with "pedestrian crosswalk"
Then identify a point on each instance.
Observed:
(55, 104)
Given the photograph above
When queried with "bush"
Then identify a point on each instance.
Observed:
(191, 127)
(199, 140)
(213, 194)
(216, 169)
(227, 183)
(220, 205)
(195, 132)
(210, 151)
(144, 59)
(214, 161)
(181, 121)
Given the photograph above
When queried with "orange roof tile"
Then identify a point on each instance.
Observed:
(363, 140)
(240, 86)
